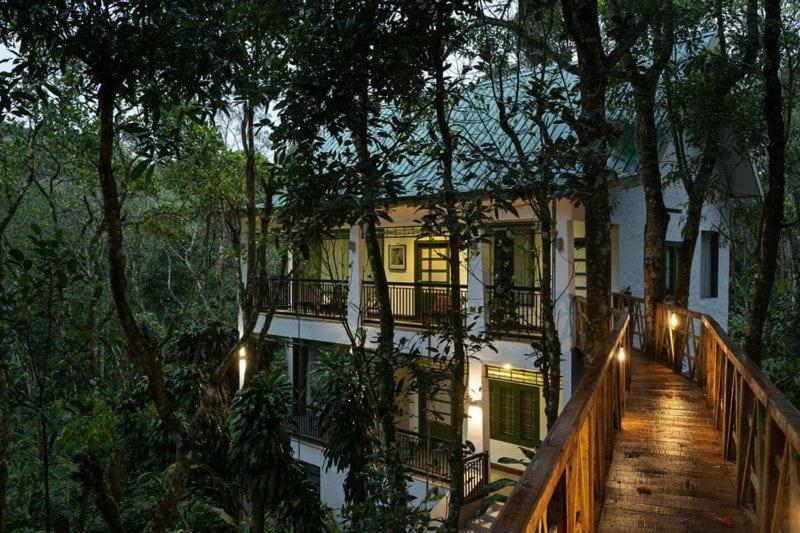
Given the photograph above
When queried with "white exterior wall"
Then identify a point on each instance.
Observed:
(629, 214)
(628, 219)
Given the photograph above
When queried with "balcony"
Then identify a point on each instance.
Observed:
(511, 311)
(309, 297)
(423, 455)
(514, 311)
(413, 304)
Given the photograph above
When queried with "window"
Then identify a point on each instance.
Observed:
(514, 411)
(305, 360)
(671, 251)
(313, 472)
(709, 257)
(579, 266)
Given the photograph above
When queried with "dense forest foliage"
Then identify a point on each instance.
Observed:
(140, 141)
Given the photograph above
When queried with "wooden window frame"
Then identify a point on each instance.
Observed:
(495, 413)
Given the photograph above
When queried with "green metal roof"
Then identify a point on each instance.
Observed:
(476, 128)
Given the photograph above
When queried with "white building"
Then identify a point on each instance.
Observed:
(505, 408)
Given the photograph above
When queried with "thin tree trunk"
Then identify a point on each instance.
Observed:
(386, 360)
(3, 443)
(772, 214)
(45, 458)
(551, 344)
(459, 358)
(138, 348)
(691, 229)
(698, 186)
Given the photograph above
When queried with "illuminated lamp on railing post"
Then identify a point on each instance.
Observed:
(621, 354)
(242, 365)
(674, 321)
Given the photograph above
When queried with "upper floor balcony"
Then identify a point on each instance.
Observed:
(500, 280)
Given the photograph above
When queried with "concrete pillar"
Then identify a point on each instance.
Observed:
(354, 286)
(475, 393)
(476, 270)
(563, 289)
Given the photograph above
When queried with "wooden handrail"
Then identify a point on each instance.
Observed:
(758, 427)
(565, 482)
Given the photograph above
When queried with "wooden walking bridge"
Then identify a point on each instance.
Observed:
(693, 438)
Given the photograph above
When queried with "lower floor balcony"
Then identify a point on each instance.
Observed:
(423, 455)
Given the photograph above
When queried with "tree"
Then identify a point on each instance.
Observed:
(144, 55)
(261, 451)
(518, 105)
(707, 76)
(344, 96)
(772, 214)
(582, 22)
(644, 74)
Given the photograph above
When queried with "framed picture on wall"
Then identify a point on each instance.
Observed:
(397, 257)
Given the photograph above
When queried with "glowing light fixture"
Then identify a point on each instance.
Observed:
(674, 322)
(475, 395)
(242, 365)
(621, 354)
(507, 366)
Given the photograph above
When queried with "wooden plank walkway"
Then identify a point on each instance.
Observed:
(668, 447)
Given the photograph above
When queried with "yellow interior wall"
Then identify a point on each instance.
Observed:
(407, 276)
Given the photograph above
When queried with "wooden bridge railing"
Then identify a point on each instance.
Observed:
(759, 428)
(564, 485)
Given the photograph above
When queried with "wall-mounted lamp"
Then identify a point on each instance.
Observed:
(621, 354)
(242, 365)
(475, 395)
(674, 322)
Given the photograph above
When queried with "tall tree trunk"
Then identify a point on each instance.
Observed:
(772, 214)
(139, 349)
(697, 192)
(454, 244)
(248, 143)
(657, 218)
(4, 448)
(386, 360)
(581, 19)
(698, 185)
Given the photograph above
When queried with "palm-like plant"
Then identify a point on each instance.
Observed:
(342, 392)
(261, 452)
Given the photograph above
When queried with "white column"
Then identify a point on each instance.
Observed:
(475, 403)
(354, 288)
(563, 288)
(477, 270)
(475, 289)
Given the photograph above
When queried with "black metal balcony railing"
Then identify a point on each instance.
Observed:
(413, 304)
(513, 311)
(306, 423)
(308, 297)
(428, 456)
(424, 454)
(476, 473)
